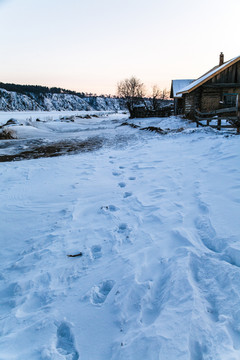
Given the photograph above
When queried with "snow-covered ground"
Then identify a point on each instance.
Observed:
(156, 218)
(46, 116)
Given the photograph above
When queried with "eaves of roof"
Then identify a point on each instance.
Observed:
(209, 75)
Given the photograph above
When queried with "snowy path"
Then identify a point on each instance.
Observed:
(158, 225)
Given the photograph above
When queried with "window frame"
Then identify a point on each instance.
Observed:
(225, 104)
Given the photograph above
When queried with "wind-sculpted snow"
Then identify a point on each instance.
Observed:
(156, 219)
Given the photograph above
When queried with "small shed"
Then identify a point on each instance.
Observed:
(176, 86)
(218, 88)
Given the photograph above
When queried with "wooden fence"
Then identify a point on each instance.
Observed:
(142, 112)
(218, 119)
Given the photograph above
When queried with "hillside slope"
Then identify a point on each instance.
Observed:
(14, 101)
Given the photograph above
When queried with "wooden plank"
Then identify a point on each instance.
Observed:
(229, 118)
(226, 110)
(216, 126)
(218, 111)
(228, 126)
(238, 72)
(205, 119)
(219, 85)
(222, 126)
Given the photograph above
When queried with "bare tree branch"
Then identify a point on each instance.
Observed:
(133, 91)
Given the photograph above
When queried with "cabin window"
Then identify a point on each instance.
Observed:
(230, 100)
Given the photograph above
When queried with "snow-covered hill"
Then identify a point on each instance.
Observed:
(13, 101)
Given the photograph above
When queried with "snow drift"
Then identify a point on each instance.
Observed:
(156, 218)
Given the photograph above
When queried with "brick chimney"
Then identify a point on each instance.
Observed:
(221, 59)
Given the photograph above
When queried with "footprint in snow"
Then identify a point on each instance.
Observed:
(111, 158)
(127, 194)
(9, 296)
(66, 342)
(109, 208)
(132, 178)
(36, 301)
(124, 233)
(96, 251)
(203, 207)
(99, 293)
(208, 235)
(116, 173)
(122, 227)
(122, 184)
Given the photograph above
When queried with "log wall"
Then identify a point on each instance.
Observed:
(210, 95)
(192, 101)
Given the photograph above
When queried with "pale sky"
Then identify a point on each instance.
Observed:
(91, 45)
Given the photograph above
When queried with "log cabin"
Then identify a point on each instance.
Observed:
(218, 88)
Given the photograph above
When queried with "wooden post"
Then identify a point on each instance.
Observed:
(208, 121)
(219, 124)
(238, 121)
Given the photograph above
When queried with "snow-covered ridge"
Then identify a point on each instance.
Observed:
(13, 101)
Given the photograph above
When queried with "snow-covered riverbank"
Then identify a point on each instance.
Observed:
(156, 218)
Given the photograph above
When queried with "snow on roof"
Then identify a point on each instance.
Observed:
(178, 85)
(217, 69)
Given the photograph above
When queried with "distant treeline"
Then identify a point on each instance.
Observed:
(37, 89)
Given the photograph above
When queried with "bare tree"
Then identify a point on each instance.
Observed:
(133, 91)
(156, 95)
(165, 94)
